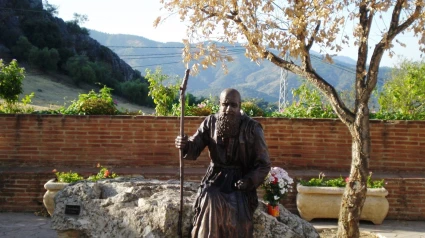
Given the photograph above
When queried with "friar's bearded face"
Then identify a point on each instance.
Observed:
(229, 118)
(228, 125)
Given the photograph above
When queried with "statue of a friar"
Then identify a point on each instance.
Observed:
(227, 197)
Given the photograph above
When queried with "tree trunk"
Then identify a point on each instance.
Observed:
(355, 192)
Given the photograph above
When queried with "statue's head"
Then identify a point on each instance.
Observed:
(229, 114)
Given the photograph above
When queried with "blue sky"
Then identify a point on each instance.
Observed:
(136, 17)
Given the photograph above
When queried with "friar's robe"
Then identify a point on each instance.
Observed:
(221, 210)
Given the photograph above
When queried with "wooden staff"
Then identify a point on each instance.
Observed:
(182, 104)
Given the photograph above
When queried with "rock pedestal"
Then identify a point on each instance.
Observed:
(137, 207)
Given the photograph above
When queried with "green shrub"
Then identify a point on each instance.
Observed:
(93, 103)
(11, 77)
(22, 48)
(68, 177)
(45, 59)
(72, 177)
(404, 92)
(199, 111)
(135, 91)
(163, 96)
(80, 69)
(103, 173)
(204, 108)
(339, 182)
(384, 115)
(308, 105)
(251, 109)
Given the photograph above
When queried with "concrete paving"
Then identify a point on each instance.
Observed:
(21, 225)
(388, 229)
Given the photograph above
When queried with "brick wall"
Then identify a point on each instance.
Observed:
(32, 145)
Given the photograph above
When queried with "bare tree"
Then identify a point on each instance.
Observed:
(270, 28)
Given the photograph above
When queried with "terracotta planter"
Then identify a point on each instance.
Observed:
(52, 188)
(325, 202)
(273, 210)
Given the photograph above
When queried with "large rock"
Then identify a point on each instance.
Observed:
(137, 207)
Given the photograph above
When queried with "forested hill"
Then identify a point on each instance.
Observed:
(31, 33)
(254, 81)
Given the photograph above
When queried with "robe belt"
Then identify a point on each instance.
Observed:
(215, 165)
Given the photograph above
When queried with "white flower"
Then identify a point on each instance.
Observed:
(279, 179)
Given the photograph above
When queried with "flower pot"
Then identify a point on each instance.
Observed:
(324, 202)
(273, 210)
(52, 188)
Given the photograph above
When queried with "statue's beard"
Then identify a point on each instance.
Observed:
(228, 125)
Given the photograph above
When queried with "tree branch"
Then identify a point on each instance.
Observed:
(328, 90)
(393, 31)
(365, 19)
(311, 41)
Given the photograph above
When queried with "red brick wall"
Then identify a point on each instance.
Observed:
(32, 145)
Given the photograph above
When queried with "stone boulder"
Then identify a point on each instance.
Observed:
(138, 207)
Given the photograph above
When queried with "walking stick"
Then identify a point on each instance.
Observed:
(182, 104)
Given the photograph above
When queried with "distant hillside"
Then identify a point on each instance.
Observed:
(254, 81)
(53, 91)
(31, 33)
(29, 19)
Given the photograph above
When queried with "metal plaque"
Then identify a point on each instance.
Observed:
(72, 209)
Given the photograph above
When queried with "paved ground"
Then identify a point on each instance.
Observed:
(22, 225)
(388, 229)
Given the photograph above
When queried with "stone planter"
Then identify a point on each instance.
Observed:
(325, 202)
(52, 188)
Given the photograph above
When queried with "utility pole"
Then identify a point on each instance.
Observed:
(283, 89)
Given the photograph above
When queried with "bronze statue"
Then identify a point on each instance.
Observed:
(227, 196)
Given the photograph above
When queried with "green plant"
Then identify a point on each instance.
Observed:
(404, 92)
(45, 59)
(339, 182)
(163, 96)
(136, 91)
(309, 105)
(103, 173)
(67, 177)
(374, 183)
(22, 48)
(93, 103)
(71, 177)
(386, 115)
(252, 109)
(18, 107)
(80, 69)
(11, 77)
(205, 108)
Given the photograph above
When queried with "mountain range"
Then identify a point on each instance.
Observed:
(252, 80)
